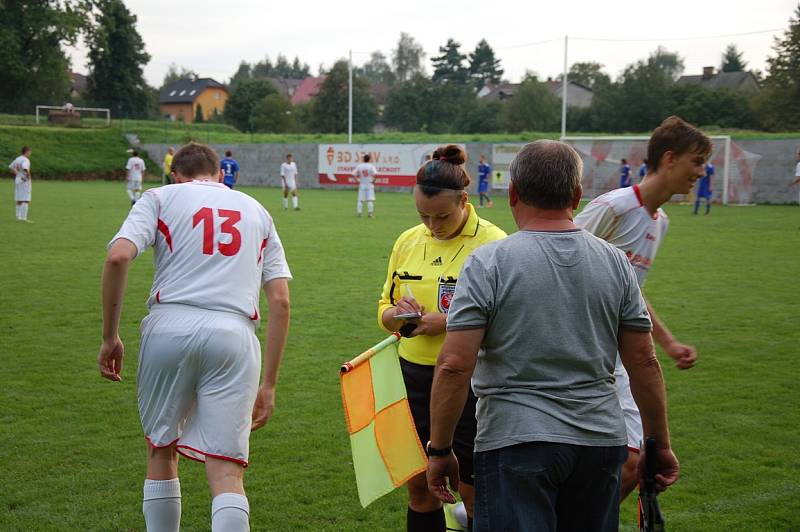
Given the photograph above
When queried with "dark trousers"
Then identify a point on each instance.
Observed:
(542, 486)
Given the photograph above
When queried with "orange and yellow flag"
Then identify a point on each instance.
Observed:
(386, 449)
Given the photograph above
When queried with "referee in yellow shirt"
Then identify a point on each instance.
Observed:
(168, 165)
(421, 279)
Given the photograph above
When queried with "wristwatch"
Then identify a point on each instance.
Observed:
(433, 451)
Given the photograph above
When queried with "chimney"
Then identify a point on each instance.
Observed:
(708, 72)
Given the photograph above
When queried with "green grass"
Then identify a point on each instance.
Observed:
(72, 451)
(69, 152)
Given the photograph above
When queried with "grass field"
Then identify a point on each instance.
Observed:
(72, 451)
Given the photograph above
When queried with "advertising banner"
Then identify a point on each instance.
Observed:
(396, 164)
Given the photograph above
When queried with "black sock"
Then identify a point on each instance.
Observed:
(425, 521)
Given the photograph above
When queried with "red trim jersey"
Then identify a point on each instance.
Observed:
(214, 247)
(620, 218)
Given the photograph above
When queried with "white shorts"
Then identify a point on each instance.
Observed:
(633, 421)
(289, 183)
(22, 190)
(366, 192)
(134, 184)
(197, 381)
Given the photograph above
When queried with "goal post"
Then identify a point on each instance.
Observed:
(70, 108)
(603, 156)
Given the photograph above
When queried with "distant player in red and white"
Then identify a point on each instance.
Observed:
(21, 168)
(631, 218)
(365, 173)
(289, 177)
(198, 377)
(135, 167)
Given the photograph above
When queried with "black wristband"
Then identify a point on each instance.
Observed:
(433, 451)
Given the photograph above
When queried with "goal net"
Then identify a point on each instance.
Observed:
(602, 160)
(68, 114)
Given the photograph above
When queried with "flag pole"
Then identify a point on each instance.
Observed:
(369, 353)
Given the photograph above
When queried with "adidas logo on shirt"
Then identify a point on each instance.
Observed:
(437, 261)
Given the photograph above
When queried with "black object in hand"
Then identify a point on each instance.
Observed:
(406, 330)
(650, 518)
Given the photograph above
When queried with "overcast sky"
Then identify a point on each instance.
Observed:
(213, 37)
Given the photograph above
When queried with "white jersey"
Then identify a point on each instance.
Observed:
(204, 231)
(365, 173)
(797, 170)
(620, 218)
(19, 166)
(289, 171)
(135, 168)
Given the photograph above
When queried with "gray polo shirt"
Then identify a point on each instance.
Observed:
(552, 304)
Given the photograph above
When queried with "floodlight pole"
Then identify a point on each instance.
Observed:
(564, 92)
(350, 100)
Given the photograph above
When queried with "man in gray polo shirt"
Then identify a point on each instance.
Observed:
(539, 317)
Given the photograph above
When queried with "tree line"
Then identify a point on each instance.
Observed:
(35, 69)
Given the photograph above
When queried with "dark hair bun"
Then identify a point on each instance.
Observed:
(451, 153)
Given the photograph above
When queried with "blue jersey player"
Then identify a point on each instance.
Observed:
(642, 170)
(483, 181)
(625, 174)
(230, 169)
(704, 189)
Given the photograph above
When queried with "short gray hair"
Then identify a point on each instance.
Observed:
(546, 174)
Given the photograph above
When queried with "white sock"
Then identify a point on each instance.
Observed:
(294, 202)
(18, 211)
(359, 207)
(130, 194)
(285, 203)
(370, 206)
(162, 505)
(23, 211)
(230, 512)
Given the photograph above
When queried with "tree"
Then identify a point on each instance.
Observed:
(588, 74)
(330, 106)
(407, 58)
(299, 70)
(483, 67)
(198, 114)
(174, 73)
(243, 98)
(421, 105)
(243, 73)
(449, 67)
(377, 69)
(35, 69)
(272, 114)
(116, 58)
(705, 107)
(532, 108)
(778, 105)
(732, 60)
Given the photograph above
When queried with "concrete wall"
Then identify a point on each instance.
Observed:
(260, 165)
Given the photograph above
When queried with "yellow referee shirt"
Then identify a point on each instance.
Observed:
(431, 267)
(167, 163)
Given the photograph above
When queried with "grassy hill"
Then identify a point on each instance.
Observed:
(69, 153)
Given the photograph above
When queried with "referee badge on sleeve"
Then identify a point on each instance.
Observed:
(446, 290)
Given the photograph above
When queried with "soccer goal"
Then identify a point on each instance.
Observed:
(68, 113)
(602, 159)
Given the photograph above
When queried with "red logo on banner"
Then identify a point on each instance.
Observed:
(330, 155)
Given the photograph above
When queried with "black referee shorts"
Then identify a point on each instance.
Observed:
(419, 380)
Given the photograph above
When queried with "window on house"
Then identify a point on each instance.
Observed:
(182, 92)
(172, 93)
(216, 95)
(192, 93)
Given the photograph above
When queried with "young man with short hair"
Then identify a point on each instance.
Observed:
(289, 177)
(198, 375)
(135, 167)
(21, 167)
(365, 174)
(632, 220)
(230, 169)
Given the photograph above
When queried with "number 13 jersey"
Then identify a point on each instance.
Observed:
(214, 247)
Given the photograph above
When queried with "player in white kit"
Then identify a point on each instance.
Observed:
(365, 173)
(797, 175)
(632, 219)
(21, 168)
(289, 177)
(198, 377)
(135, 167)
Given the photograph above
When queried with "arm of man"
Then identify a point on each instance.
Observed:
(451, 383)
(647, 386)
(277, 292)
(115, 279)
(685, 356)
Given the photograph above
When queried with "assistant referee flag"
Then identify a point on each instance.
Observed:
(386, 449)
